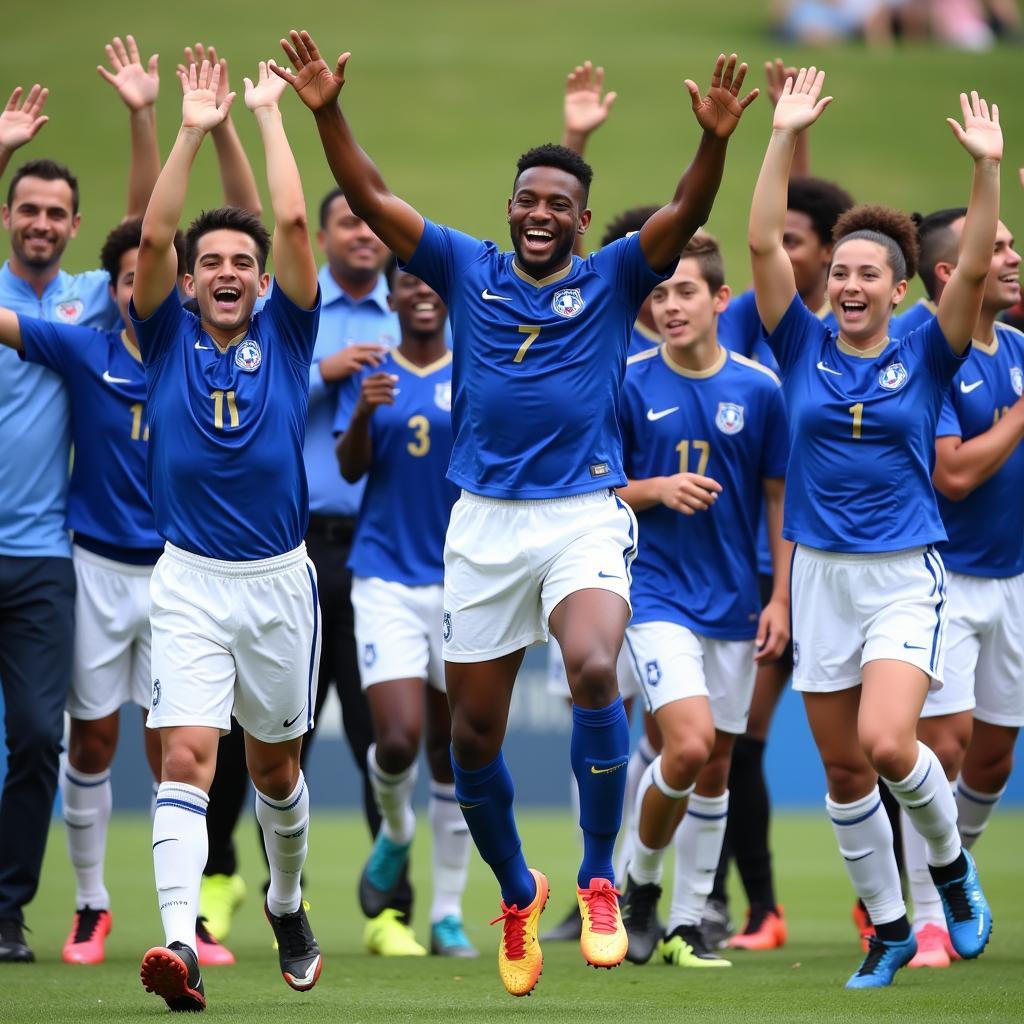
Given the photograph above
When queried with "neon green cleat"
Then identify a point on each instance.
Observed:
(684, 947)
(388, 935)
(219, 897)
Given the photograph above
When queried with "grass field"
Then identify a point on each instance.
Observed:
(800, 983)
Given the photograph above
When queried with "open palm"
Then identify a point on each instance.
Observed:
(137, 85)
(267, 90)
(199, 108)
(19, 124)
(585, 109)
(980, 135)
(313, 80)
(801, 103)
(720, 110)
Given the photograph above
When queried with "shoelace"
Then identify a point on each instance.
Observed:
(603, 906)
(513, 931)
(294, 929)
(876, 951)
(86, 921)
(960, 901)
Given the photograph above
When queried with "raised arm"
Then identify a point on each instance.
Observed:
(138, 87)
(718, 113)
(798, 108)
(157, 267)
(776, 72)
(355, 446)
(960, 302)
(294, 265)
(392, 220)
(20, 121)
(584, 109)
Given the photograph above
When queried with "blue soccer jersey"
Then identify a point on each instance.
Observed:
(407, 502)
(729, 423)
(226, 428)
(642, 339)
(102, 370)
(986, 537)
(538, 364)
(862, 435)
(918, 314)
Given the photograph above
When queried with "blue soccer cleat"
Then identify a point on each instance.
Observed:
(884, 959)
(381, 875)
(968, 917)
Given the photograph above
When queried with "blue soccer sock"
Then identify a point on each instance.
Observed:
(486, 796)
(599, 752)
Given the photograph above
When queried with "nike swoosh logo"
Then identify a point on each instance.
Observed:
(173, 839)
(850, 860)
(608, 576)
(968, 388)
(594, 770)
(827, 369)
(203, 348)
(655, 416)
(295, 835)
(489, 296)
(469, 807)
(115, 380)
(71, 824)
(287, 724)
(913, 647)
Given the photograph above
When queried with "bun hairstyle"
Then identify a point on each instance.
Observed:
(894, 230)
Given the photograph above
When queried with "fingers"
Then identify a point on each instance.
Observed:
(821, 105)
(292, 54)
(133, 50)
(284, 73)
(609, 99)
(112, 57)
(12, 102)
(311, 47)
(300, 46)
(958, 132)
(749, 98)
(225, 107)
(152, 67)
(122, 53)
(694, 92)
(107, 77)
(339, 67)
(36, 101)
(716, 75)
(707, 482)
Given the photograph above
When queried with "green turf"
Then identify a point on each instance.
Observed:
(801, 983)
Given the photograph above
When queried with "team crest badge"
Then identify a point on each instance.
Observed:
(1016, 380)
(443, 395)
(69, 311)
(653, 672)
(446, 627)
(568, 302)
(248, 357)
(369, 655)
(156, 692)
(729, 418)
(893, 377)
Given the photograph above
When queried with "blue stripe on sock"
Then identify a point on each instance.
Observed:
(857, 821)
(707, 817)
(86, 785)
(283, 807)
(164, 801)
(312, 648)
(927, 772)
(984, 801)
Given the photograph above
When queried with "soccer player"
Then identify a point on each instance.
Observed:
(537, 543)
(235, 622)
(704, 437)
(397, 434)
(979, 478)
(869, 589)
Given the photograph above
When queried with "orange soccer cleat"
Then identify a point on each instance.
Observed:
(603, 940)
(520, 961)
(765, 929)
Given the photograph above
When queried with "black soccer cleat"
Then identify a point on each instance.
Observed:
(640, 917)
(297, 949)
(569, 929)
(172, 972)
(13, 947)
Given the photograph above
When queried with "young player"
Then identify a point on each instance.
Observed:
(704, 437)
(235, 622)
(537, 542)
(869, 589)
(397, 423)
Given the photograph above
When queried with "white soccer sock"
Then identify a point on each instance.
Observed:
(865, 841)
(451, 851)
(974, 808)
(285, 825)
(152, 800)
(645, 865)
(180, 847)
(393, 793)
(638, 762)
(923, 894)
(698, 844)
(87, 801)
(926, 797)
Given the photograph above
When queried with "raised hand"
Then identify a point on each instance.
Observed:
(776, 73)
(720, 110)
(19, 124)
(317, 85)
(196, 55)
(585, 109)
(980, 135)
(799, 105)
(137, 86)
(268, 89)
(199, 106)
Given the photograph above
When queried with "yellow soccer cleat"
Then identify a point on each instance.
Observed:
(684, 947)
(219, 897)
(520, 960)
(388, 935)
(603, 940)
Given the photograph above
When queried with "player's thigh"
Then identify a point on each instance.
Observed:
(891, 699)
(392, 633)
(668, 662)
(729, 673)
(966, 629)
(999, 679)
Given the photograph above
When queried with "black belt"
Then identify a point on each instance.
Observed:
(333, 529)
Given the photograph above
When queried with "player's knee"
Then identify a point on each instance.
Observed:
(181, 763)
(949, 749)
(397, 748)
(846, 782)
(714, 777)
(891, 756)
(683, 759)
(592, 678)
(91, 751)
(475, 740)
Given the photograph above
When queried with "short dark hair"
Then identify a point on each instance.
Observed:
(325, 204)
(626, 223)
(938, 242)
(551, 155)
(704, 248)
(48, 170)
(824, 202)
(125, 237)
(892, 229)
(391, 271)
(226, 218)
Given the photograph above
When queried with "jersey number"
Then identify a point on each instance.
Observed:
(138, 431)
(218, 408)
(532, 334)
(703, 448)
(420, 426)
(857, 412)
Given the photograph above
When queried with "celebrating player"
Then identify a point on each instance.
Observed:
(537, 542)
(869, 589)
(234, 609)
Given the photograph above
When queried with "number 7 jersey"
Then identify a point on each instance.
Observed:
(538, 364)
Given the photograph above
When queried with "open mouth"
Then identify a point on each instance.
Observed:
(676, 326)
(537, 240)
(226, 299)
(853, 310)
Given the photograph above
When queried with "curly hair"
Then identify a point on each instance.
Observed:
(824, 202)
(890, 228)
(125, 237)
(552, 155)
(626, 223)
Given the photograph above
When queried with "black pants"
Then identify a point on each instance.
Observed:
(37, 624)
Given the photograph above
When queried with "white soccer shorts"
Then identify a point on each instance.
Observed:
(110, 666)
(984, 651)
(507, 564)
(673, 663)
(558, 682)
(238, 638)
(398, 631)
(849, 609)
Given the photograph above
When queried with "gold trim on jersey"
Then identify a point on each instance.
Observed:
(639, 357)
(862, 353)
(558, 275)
(989, 350)
(646, 333)
(421, 371)
(723, 355)
(133, 349)
(755, 365)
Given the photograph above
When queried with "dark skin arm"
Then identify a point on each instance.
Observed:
(355, 446)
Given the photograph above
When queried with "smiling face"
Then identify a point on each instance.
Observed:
(808, 254)
(685, 309)
(353, 251)
(862, 290)
(545, 214)
(1002, 286)
(41, 221)
(226, 279)
(421, 311)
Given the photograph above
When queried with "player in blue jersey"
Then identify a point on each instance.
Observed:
(868, 586)
(979, 477)
(538, 542)
(397, 433)
(235, 622)
(704, 435)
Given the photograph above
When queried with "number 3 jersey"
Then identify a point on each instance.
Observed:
(226, 429)
(407, 502)
(862, 434)
(538, 364)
